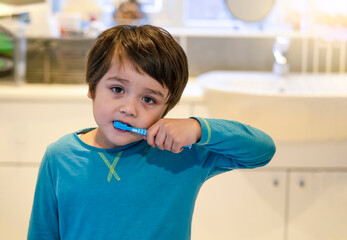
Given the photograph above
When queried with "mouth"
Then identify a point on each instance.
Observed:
(123, 127)
(120, 130)
(126, 123)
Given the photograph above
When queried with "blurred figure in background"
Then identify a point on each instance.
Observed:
(129, 12)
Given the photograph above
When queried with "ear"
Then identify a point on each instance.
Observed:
(89, 94)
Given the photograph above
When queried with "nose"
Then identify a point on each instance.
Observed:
(129, 107)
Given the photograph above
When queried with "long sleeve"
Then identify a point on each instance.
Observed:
(44, 216)
(233, 145)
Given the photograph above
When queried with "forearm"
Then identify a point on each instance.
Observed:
(246, 146)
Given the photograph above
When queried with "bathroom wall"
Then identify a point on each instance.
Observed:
(206, 54)
(253, 54)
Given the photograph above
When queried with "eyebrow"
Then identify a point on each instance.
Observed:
(149, 90)
(118, 79)
(158, 93)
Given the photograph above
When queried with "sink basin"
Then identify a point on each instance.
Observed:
(297, 107)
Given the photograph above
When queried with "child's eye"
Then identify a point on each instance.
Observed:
(148, 100)
(117, 90)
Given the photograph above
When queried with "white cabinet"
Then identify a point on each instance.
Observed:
(17, 184)
(273, 204)
(27, 127)
(317, 205)
(241, 204)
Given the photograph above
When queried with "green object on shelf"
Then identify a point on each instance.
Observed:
(6, 45)
(2, 64)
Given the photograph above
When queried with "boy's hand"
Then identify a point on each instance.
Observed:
(173, 134)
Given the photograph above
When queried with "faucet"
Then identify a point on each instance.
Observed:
(279, 50)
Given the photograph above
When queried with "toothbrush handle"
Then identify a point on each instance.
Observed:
(140, 131)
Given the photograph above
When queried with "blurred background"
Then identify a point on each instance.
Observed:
(65, 29)
(279, 65)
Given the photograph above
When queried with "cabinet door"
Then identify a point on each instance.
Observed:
(28, 127)
(17, 186)
(318, 206)
(241, 204)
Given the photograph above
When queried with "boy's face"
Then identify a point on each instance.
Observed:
(126, 95)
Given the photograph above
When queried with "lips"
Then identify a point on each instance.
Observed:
(123, 122)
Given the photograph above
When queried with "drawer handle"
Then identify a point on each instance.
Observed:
(302, 183)
(276, 182)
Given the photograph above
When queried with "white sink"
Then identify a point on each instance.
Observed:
(298, 107)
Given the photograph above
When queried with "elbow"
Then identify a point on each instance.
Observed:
(265, 152)
(269, 151)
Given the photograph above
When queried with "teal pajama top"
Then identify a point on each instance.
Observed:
(135, 191)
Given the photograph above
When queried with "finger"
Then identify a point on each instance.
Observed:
(168, 143)
(160, 140)
(151, 134)
(176, 148)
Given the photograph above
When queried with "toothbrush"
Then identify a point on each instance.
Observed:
(124, 127)
(141, 131)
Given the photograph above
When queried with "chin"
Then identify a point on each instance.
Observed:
(123, 142)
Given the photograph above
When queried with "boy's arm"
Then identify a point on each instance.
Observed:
(229, 144)
(44, 215)
(233, 145)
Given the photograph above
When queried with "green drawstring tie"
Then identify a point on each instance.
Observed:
(111, 167)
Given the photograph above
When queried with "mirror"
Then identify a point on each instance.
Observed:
(250, 10)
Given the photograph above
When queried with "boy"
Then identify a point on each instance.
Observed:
(105, 183)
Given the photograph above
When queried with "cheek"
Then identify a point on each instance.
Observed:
(163, 110)
(101, 111)
(153, 117)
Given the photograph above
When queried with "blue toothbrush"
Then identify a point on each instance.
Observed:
(141, 131)
(124, 127)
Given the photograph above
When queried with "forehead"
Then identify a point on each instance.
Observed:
(122, 63)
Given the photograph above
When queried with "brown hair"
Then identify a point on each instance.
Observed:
(151, 49)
